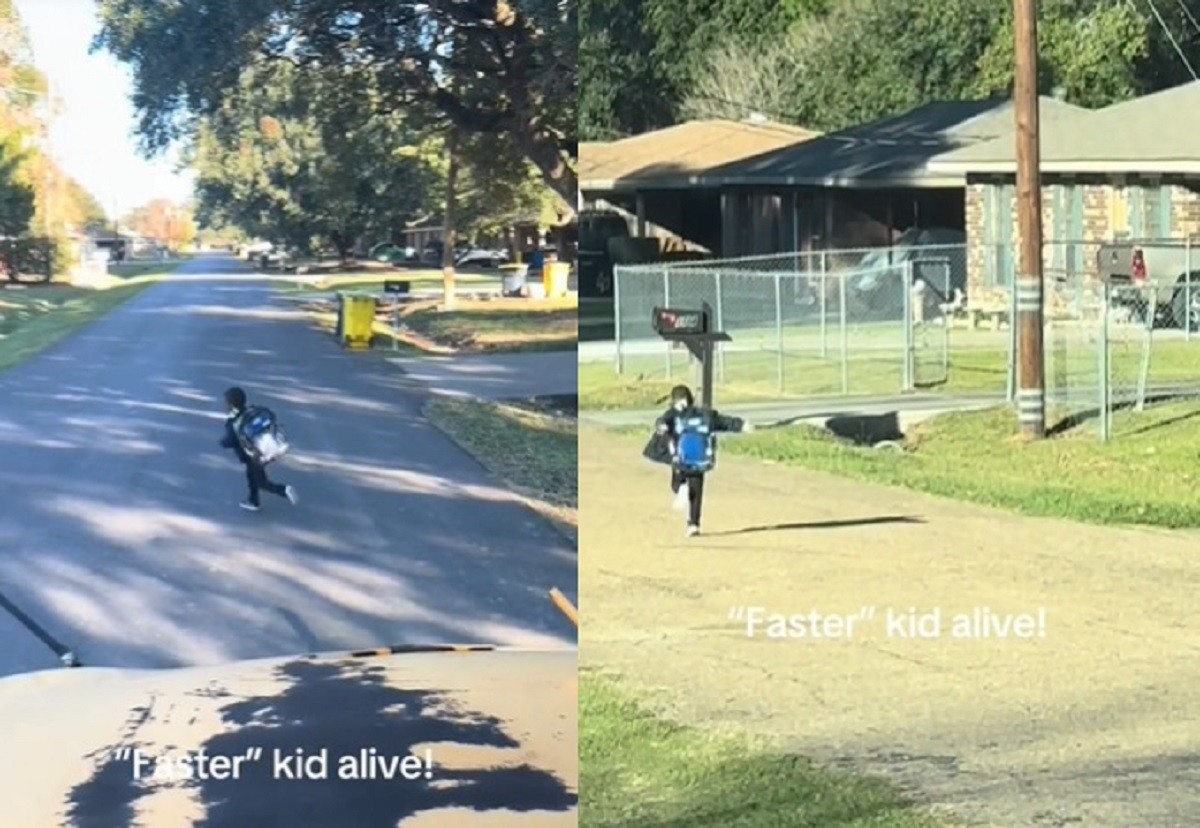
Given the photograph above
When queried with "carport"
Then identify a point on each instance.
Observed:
(656, 179)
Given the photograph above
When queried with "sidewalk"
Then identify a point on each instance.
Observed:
(812, 409)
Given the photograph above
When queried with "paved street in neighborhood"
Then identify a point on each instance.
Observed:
(120, 533)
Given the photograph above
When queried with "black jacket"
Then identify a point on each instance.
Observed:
(230, 439)
(658, 449)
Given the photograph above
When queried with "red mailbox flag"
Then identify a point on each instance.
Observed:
(1139, 265)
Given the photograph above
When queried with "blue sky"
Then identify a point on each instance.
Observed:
(93, 137)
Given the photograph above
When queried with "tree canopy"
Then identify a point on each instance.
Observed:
(36, 194)
(288, 156)
(829, 65)
(486, 67)
(171, 225)
(292, 156)
(16, 196)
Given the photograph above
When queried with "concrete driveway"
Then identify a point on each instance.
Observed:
(120, 536)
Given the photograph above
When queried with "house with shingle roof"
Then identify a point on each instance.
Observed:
(654, 177)
(861, 186)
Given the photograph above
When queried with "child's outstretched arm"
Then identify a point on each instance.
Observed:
(731, 424)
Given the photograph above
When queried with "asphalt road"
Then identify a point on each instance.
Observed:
(496, 376)
(120, 535)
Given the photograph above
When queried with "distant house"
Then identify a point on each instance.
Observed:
(419, 235)
(862, 186)
(659, 179)
(1129, 170)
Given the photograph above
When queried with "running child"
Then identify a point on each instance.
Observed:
(686, 437)
(236, 438)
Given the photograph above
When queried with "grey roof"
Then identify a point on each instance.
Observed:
(1157, 133)
(894, 152)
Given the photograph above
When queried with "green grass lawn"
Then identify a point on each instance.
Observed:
(35, 318)
(873, 364)
(493, 325)
(475, 326)
(595, 320)
(374, 283)
(637, 770)
(534, 454)
(1148, 474)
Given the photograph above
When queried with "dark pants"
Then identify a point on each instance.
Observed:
(695, 492)
(257, 480)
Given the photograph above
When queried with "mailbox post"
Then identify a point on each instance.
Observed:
(693, 329)
(396, 288)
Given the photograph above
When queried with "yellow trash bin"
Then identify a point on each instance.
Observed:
(358, 320)
(555, 278)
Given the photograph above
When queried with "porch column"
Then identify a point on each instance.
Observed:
(795, 202)
(727, 223)
(641, 214)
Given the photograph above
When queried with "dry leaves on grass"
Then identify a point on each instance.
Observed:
(536, 455)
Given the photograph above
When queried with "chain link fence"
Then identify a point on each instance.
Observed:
(1150, 354)
(833, 323)
(889, 322)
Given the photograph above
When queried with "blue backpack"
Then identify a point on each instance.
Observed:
(260, 435)
(695, 445)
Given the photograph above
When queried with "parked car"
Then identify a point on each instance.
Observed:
(388, 252)
(481, 257)
(939, 267)
(1161, 267)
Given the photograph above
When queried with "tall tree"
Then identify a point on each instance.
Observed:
(171, 225)
(20, 90)
(639, 61)
(622, 89)
(186, 57)
(870, 59)
(290, 157)
(16, 196)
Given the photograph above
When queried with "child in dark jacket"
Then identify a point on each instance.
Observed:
(256, 474)
(687, 479)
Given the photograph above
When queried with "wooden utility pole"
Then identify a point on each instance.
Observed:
(1031, 362)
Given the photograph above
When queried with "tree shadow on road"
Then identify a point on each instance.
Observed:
(120, 508)
(847, 523)
(345, 710)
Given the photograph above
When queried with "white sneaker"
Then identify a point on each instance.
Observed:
(290, 493)
(680, 503)
(248, 506)
(693, 530)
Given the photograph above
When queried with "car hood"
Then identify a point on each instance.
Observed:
(489, 736)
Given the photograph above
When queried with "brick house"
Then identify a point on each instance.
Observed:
(1130, 170)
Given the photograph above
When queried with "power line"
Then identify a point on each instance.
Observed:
(1188, 14)
(1171, 37)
